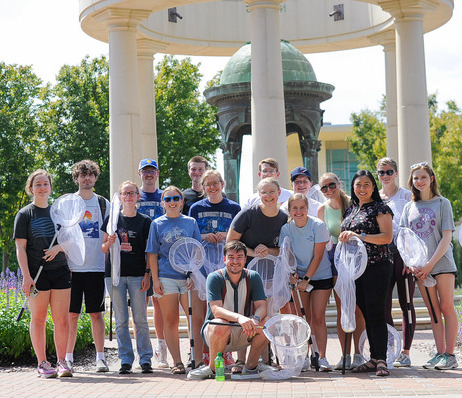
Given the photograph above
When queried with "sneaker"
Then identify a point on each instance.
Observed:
(229, 360)
(70, 365)
(339, 366)
(324, 365)
(432, 362)
(125, 369)
(358, 360)
(101, 366)
(306, 364)
(447, 361)
(402, 361)
(63, 370)
(46, 371)
(146, 368)
(161, 356)
(203, 372)
(253, 373)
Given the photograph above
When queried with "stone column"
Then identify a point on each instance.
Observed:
(267, 103)
(387, 40)
(147, 142)
(124, 103)
(412, 98)
(232, 165)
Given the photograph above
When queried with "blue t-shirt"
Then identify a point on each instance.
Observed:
(303, 240)
(214, 217)
(163, 234)
(151, 204)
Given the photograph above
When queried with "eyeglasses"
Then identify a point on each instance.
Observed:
(149, 171)
(421, 164)
(381, 173)
(270, 193)
(331, 185)
(168, 199)
(212, 184)
(301, 182)
(130, 193)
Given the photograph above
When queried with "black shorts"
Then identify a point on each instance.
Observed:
(331, 254)
(91, 286)
(58, 278)
(322, 284)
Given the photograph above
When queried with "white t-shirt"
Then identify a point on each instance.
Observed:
(396, 203)
(255, 198)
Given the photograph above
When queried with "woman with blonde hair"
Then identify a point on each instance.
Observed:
(132, 231)
(331, 212)
(169, 285)
(430, 216)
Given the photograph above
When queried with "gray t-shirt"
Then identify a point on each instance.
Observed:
(428, 219)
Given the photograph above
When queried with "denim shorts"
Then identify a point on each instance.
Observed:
(171, 286)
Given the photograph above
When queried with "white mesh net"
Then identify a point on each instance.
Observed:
(288, 335)
(111, 230)
(286, 264)
(213, 256)
(393, 346)
(350, 259)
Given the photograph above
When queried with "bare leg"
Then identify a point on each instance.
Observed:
(445, 288)
(170, 314)
(319, 299)
(39, 310)
(59, 304)
(73, 323)
(98, 329)
(360, 326)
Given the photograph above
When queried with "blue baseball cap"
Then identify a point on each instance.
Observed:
(147, 163)
(298, 171)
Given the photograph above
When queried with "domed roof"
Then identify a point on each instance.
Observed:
(295, 66)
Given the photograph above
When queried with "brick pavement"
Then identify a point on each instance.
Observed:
(407, 382)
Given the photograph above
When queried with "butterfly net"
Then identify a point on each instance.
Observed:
(213, 256)
(393, 346)
(350, 259)
(288, 335)
(111, 230)
(413, 251)
(286, 264)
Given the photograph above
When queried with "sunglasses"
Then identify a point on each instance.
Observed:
(421, 164)
(381, 173)
(168, 199)
(331, 185)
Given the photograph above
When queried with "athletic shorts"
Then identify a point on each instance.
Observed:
(171, 286)
(150, 290)
(331, 254)
(58, 279)
(237, 340)
(88, 285)
(322, 284)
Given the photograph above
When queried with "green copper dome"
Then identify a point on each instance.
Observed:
(295, 66)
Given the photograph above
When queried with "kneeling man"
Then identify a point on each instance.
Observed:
(230, 294)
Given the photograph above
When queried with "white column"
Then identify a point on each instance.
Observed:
(267, 104)
(412, 99)
(124, 103)
(147, 142)
(387, 40)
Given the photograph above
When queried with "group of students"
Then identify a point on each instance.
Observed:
(272, 214)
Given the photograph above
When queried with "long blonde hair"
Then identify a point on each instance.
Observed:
(344, 199)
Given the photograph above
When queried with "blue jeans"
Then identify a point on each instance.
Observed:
(132, 284)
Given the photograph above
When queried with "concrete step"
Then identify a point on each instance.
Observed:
(423, 318)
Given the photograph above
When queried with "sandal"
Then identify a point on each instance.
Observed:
(178, 369)
(370, 366)
(237, 367)
(382, 369)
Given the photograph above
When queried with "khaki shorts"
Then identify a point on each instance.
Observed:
(237, 340)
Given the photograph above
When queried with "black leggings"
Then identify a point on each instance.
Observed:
(371, 294)
(400, 280)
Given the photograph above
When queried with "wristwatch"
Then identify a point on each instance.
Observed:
(363, 235)
(306, 278)
(256, 317)
(147, 271)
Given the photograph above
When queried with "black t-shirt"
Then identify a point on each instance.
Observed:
(35, 224)
(190, 197)
(256, 228)
(133, 233)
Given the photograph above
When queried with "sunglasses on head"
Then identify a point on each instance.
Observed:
(331, 185)
(168, 199)
(421, 164)
(381, 173)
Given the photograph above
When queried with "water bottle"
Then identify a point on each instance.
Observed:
(219, 367)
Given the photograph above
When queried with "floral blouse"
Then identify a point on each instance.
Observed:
(364, 219)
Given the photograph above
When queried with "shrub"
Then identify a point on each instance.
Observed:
(14, 336)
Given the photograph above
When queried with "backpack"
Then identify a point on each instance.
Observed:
(102, 205)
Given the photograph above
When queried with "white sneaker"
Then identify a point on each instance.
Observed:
(358, 360)
(253, 373)
(339, 366)
(402, 361)
(161, 356)
(101, 366)
(324, 365)
(306, 364)
(203, 372)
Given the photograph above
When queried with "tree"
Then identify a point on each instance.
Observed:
(76, 123)
(185, 122)
(21, 95)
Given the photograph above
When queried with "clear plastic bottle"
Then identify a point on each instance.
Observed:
(219, 367)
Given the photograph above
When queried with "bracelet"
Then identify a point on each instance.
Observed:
(256, 317)
(363, 235)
